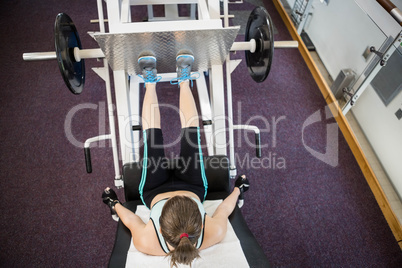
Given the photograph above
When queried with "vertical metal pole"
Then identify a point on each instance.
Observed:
(214, 9)
(113, 15)
(100, 16)
(121, 87)
(206, 112)
(225, 14)
(217, 95)
(135, 115)
(229, 97)
(112, 124)
(150, 9)
(171, 12)
(192, 12)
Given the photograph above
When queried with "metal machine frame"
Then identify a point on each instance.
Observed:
(127, 84)
(127, 88)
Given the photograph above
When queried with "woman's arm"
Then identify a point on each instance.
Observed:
(144, 236)
(216, 227)
(227, 206)
(129, 218)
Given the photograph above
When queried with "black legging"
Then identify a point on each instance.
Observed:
(188, 173)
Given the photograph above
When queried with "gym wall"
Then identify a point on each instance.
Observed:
(341, 31)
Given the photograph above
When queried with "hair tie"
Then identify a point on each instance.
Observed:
(183, 235)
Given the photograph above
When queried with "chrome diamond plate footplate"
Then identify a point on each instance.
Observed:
(209, 47)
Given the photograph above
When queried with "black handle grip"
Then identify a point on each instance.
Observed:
(88, 160)
(258, 145)
(136, 127)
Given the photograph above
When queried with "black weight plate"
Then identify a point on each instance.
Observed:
(260, 28)
(66, 38)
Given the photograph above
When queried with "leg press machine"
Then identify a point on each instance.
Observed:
(207, 35)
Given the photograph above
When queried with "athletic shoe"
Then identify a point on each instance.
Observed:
(148, 66)
(184, 63)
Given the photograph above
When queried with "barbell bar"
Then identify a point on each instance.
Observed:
(94, 53)
(97, 53)
(251, 45)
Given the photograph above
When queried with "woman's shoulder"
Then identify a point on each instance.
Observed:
(214, 225)
(214, 232)
(147, 241)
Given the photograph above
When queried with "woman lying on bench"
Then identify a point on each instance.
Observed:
(178, 225)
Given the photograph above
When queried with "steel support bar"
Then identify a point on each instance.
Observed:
(217, 96)
(123, 115)
(135, 117)
(206, 113)
(233, 170)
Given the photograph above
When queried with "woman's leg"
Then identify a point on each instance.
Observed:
(154, 172)
(188, 109)
(151, 117)
(191, 168)
(150, 109)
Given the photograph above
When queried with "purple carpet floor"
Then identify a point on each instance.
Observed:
(309, 204)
